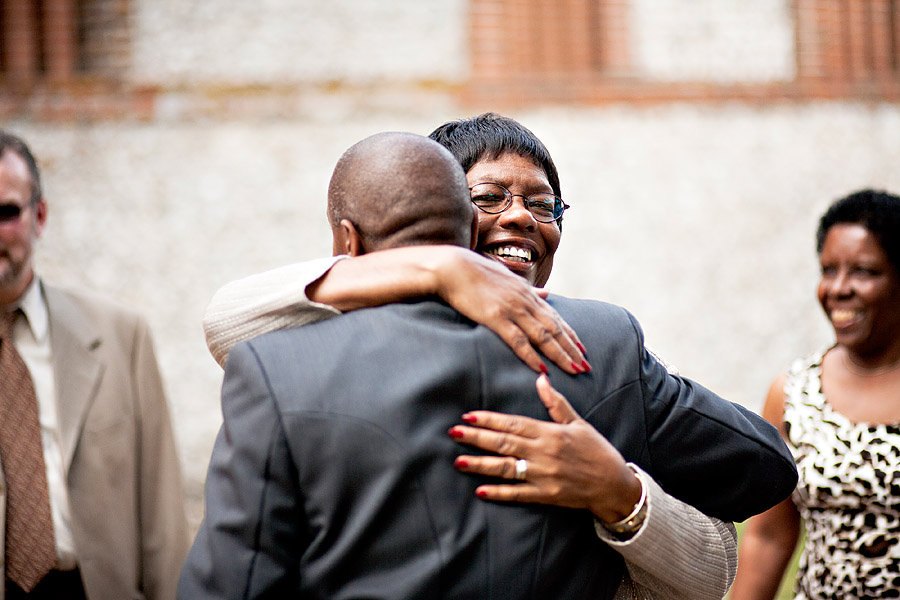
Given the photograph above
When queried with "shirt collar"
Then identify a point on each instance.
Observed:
(34, 307)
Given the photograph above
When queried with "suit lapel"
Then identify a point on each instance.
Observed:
(77, 368)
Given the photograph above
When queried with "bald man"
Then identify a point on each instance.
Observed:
(333, 475)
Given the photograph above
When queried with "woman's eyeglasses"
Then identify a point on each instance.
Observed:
(493, 198)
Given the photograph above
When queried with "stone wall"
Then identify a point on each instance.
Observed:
(699, 220)
(697, 217)
(733, 41)
(277, 42)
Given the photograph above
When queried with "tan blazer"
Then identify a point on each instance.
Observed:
(124, 478)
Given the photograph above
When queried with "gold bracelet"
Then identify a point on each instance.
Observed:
(628, 526)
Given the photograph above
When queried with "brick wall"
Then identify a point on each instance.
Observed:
(528, 52)
(175, 59)
(54, 41)
(178, 59)
(105, 37)
(849, 45)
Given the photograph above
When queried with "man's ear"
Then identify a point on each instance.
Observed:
(40, 217)
(474, 241)
(346, 239)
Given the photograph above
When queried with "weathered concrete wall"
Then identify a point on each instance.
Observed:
(699, 219)
(725, 41)
(181, 42)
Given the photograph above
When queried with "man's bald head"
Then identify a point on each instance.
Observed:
(399, 189)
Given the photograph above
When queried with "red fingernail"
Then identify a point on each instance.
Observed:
(581, 347)
(469, 418)
(481, 493)
(586, 366)
(543, 368)
(576, 368)
(455, 433)
(461, 463)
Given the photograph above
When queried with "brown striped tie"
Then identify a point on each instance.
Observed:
(30, 547)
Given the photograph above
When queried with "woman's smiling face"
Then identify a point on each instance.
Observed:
(514, 237)
(859, 289)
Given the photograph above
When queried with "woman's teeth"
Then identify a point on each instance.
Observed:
(841, 315)
(511, 252)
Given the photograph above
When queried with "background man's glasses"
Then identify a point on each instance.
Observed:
(493, 198)
(11, 212)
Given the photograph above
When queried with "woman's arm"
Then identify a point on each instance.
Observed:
(479, 288)
(246, 308)
(679, 553)
(572, 465)
(769, 539)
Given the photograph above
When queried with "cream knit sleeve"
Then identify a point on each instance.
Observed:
(678, 554)
(265, 302)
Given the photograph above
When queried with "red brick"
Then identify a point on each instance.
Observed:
(20, 47)
(60, 38)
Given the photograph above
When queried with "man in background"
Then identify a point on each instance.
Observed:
(91, 497)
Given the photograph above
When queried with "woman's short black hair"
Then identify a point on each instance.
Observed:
(877, 211)
(490, 135)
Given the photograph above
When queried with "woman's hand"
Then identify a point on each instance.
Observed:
(488, 293)
(569, 463)
(481, 289)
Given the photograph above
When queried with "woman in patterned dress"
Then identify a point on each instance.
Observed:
(839, 410)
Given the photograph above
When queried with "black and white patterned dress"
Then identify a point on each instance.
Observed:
(848, 494)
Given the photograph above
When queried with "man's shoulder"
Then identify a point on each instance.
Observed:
(415, 313)
(579, 310)
(396, 322)
(419, 328)
(85, 305)
(404, 327)
(583, 304)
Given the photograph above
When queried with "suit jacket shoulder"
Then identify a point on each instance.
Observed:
(83, 311)
(704, 450)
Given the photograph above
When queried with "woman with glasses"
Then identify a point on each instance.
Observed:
(515, 188)
(521, 231)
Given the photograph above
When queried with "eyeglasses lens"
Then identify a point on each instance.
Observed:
(489, 197)
(544, 207)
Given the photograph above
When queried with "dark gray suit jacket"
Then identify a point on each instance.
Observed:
(332, 476)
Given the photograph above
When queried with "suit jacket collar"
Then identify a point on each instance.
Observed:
(76, 364)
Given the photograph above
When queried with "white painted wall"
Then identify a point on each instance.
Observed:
(722, 41)
(283, 42)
